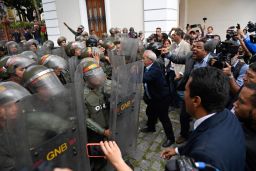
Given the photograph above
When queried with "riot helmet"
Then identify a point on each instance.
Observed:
(48, 44)
(30, 55)
(12, 47)
(62, 41)
(93, 74)
(91, 42)
(11, 92)
(32, 45)
(112, 31)
(39, 79)
(80, 29)
(16, 65)
(57, 63)
(76, 48)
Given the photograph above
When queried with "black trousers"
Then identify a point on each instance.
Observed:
(159, 110)
(184, 121)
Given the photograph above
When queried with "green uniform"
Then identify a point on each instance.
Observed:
(98, 113)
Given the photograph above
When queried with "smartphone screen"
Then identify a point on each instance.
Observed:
(94, 150)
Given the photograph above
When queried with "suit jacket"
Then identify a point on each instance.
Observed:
(182, 50)
(189, 66)
(218, 141)
(156, 83)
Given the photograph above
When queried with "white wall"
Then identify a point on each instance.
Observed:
(221, 13)
(124, 13)
(59, 11)
(160, 13)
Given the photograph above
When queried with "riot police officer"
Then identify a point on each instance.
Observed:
(15, 67)
(62, 41)
(39, 79)
(59, 65)
(12, 48)
(10, 93)
(96, 105)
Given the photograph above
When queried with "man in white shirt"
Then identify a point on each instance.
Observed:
(179, 47)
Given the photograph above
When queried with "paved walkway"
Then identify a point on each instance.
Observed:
(147, 157)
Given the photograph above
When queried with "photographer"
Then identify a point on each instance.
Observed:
(244, 53)
(235, 69)
(251, 40)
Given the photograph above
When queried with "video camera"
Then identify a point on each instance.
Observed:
(225, 51)
(231, 32)
(252, 28)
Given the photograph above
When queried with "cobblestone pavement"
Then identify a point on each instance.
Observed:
(147, 156)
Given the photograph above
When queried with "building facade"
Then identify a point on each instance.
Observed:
(143, 15)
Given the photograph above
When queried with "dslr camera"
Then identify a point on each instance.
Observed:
(252, 28)
(225, 51)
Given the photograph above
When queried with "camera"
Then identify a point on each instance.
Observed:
(194, 25)
(231, 32)
(253, 38)
(251, 27)
(225, 51)
(204, 19)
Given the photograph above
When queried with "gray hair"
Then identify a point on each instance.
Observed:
(150, 54)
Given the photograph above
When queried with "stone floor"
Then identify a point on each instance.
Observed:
(147, 156)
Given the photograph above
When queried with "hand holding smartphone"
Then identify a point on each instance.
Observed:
(94, 150)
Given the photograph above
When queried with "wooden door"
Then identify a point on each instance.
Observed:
(96, 16)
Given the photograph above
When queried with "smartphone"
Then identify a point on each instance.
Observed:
(94, 150)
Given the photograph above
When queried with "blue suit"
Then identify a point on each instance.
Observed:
(156, 83)
(218, 141)
(157, 97)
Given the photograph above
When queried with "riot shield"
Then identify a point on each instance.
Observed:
(125, 105)
(60, 51)
(129, 48)
(72, 64)
(116, 60)
(41, 139)
(31, 55)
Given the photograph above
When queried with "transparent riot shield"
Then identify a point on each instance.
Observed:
(72, 64)
(31, 55)
(125, 105)
(60, 51)
(116, 59)
(39, 135)
(129, 48)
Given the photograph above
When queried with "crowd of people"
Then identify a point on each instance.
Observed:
(212, 82)
(37, 32)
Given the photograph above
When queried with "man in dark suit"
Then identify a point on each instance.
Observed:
(199, 57)
(217, 138)
(157, 97)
